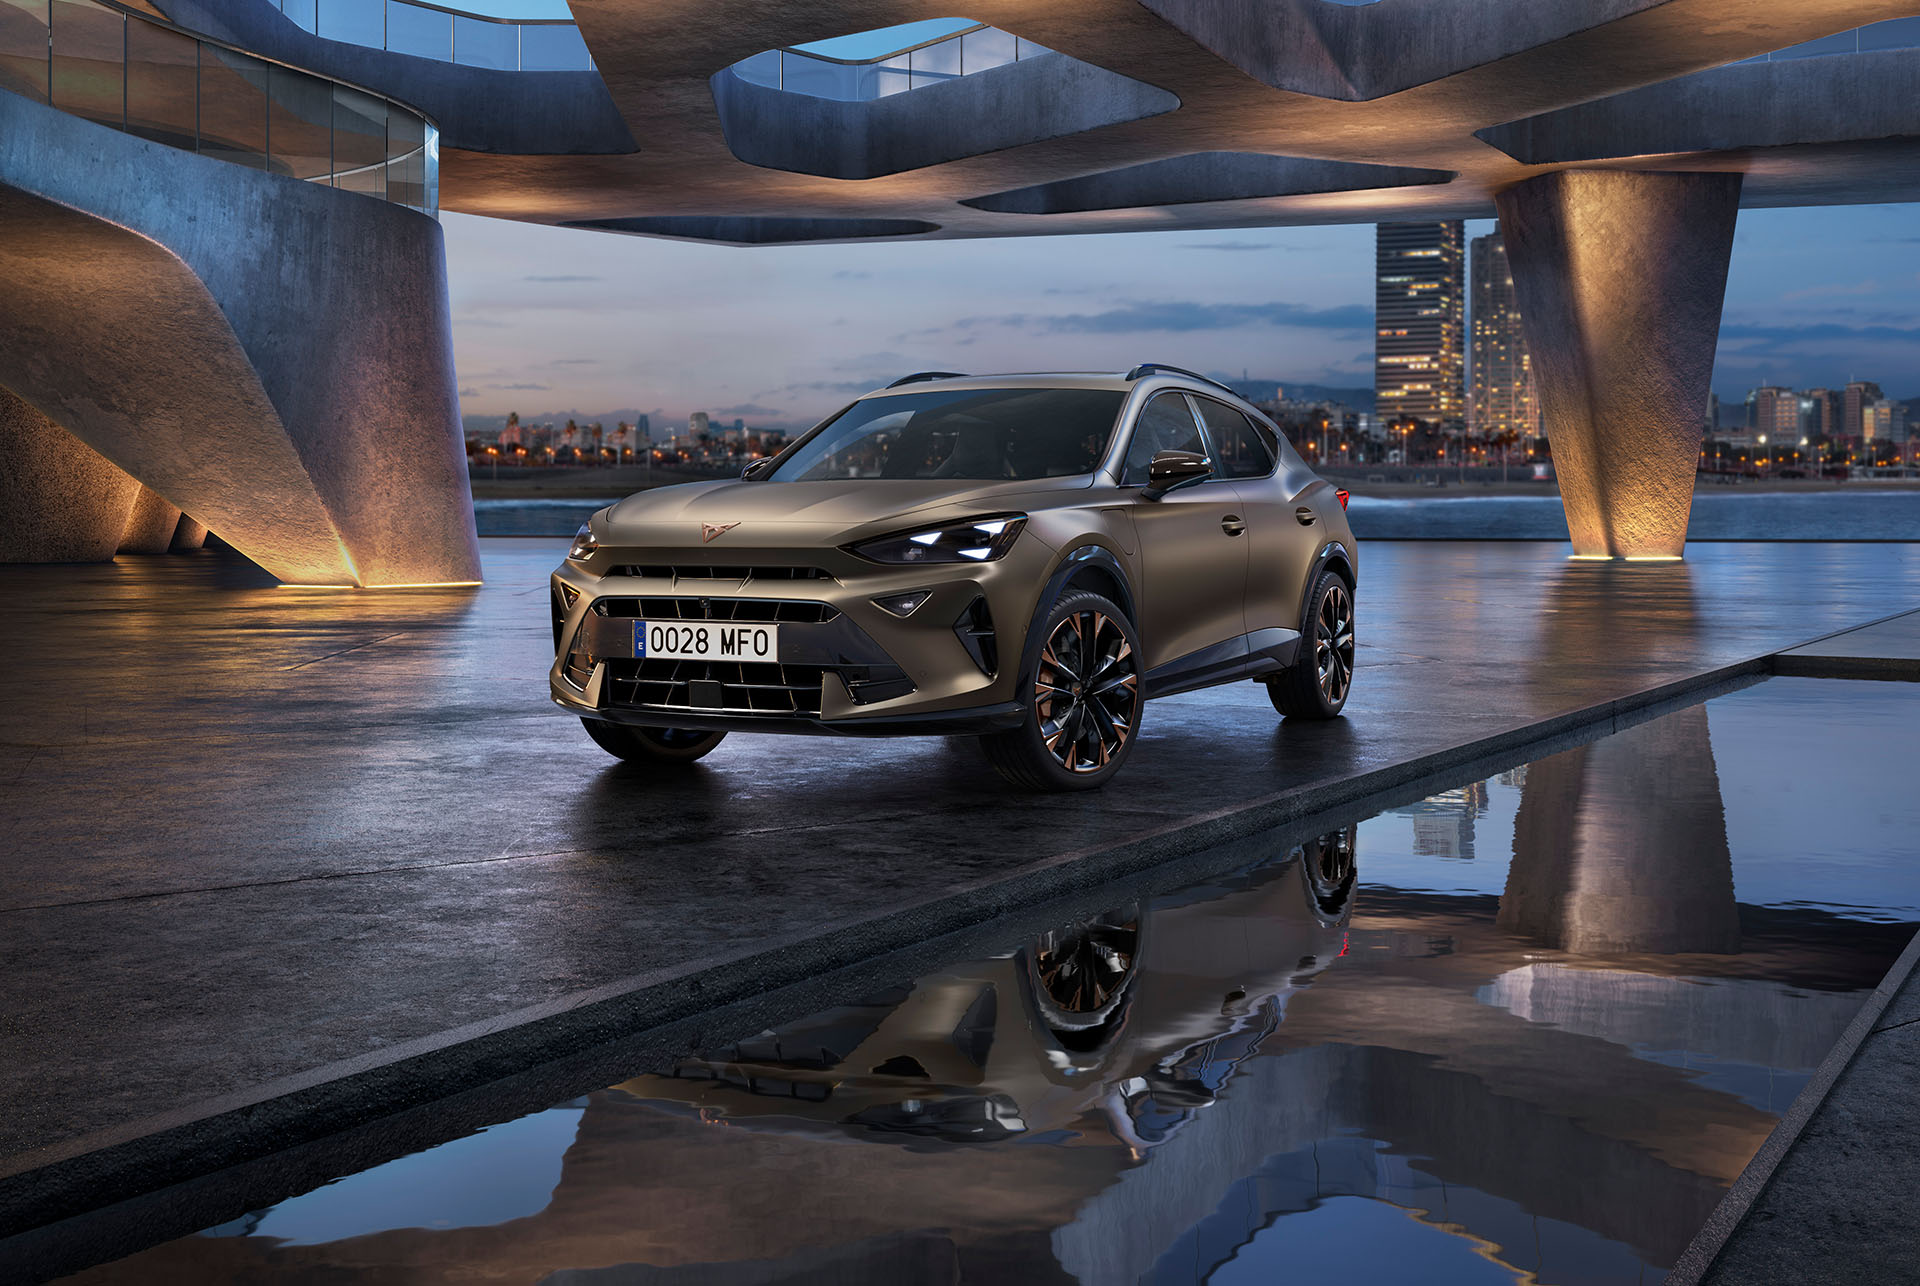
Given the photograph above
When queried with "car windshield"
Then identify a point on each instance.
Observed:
(962, 433)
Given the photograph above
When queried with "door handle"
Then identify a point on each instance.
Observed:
(1305, 515)
(1232, 524)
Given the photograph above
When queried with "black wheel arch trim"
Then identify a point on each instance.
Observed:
(1332, 554)
(1079, 559)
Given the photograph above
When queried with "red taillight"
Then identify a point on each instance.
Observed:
(1341, 495)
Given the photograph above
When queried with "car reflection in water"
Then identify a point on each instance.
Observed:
(1135, 1018)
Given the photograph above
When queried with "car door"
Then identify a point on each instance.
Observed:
(1193, 549)
(1284, 531)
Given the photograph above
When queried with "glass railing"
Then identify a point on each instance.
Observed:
(947, 57)
(154, 80)
(446, 35)
(1894, 33)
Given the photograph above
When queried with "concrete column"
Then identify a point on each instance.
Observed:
(60, 500)
(1621, 846)
(151, 524)
(1620, 277)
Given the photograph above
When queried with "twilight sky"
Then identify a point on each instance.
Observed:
(551, 320)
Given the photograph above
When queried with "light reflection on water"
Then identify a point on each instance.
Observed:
(1533, 1025)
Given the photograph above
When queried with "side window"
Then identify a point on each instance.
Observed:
(1165, 424)
(1241, 449)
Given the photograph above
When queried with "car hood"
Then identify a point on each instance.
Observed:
(797, 513)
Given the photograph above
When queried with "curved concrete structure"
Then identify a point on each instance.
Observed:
(1134, 114)
(1030, 101)
(268, 354)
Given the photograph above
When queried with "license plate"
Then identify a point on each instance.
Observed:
(706, 641)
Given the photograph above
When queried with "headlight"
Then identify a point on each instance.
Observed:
(978, 540)
(584, 544)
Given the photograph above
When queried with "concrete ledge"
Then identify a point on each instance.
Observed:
(1735, 1247)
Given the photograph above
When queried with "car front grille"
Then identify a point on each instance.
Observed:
(707, 571)
(755, 611)
(715, 687)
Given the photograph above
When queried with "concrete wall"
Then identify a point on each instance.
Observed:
(150, 525)
(272, 356)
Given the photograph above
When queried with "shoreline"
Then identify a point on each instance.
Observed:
(610, 484)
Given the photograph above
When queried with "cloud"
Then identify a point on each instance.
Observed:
(1229, 245)
(563, 277)
(512, 388)
(1819, 331)
(1175, 317)
(575, 361)
(746, 409)
(855, 387)
(851, 274)
(1811, 292)
(492, 323)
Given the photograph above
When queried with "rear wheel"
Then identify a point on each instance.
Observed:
(668, 745)
(1083, 697)
(1315, 686)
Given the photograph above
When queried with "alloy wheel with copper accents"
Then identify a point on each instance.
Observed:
(1087, 691)
(1333, 644)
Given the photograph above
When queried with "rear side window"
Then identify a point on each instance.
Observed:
(1165, 424)
(1241, 448)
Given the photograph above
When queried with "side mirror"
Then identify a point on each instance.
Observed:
(758, 469)
(1171, 470)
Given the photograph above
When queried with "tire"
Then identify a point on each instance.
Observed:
(652, 745)
(1316, 685)
(1079, 725)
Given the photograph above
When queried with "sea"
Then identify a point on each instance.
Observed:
(1841, 514)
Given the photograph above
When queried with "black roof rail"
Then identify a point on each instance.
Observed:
(918, 376)
(1153, 368)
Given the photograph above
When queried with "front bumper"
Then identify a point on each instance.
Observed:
(846, 665)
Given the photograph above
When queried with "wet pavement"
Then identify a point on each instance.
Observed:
(264, 842)
(1529, 1028)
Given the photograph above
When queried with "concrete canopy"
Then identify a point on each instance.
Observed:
(1411, 84)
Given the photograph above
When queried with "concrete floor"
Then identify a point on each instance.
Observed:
(260, 839)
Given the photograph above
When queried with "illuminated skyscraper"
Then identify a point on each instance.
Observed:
(1502, 399)
(1419, 315)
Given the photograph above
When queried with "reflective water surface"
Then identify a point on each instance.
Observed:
(1528, 1029)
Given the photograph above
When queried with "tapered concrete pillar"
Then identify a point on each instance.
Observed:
(1620, 277)
(188, 534)
(60, 500)
(151, 525)
(1621, 846)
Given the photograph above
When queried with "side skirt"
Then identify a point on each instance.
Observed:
(1248, 656)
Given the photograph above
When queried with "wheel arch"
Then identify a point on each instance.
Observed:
(1333, 556)
(1096, 568)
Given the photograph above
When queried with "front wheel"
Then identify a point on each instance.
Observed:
(1083, 697)
(658, 745)
(1315, 686)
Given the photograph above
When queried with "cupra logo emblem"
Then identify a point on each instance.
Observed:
(711, 530)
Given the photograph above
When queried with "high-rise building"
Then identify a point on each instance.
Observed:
(697, 424)
(1852, 402)
(1774, 412)
(1819, 413)
(1501, 397)
(1882, 420)
(1419, 313)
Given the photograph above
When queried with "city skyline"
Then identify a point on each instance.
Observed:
(1815, 297)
